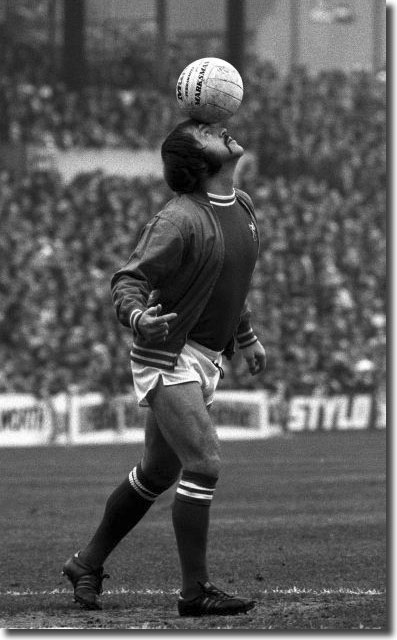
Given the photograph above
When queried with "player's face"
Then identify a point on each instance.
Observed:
(216, 140)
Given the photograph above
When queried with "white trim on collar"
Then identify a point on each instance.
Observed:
(222, 201)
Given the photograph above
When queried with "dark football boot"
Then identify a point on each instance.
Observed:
(87, 582)
(214, 602)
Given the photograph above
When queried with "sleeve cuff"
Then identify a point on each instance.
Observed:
(134, 317)
(246, 339)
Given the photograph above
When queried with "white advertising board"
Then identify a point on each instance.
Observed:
(24, 420)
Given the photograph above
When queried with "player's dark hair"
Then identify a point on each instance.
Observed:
(185, 162)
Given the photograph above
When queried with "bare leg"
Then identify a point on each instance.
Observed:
(185, 424)
(159, 462)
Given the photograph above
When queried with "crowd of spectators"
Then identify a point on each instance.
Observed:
(318, 294)
(35, 105)
(297, 123)
(318, 179)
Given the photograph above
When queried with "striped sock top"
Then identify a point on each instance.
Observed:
(196, 488)
(140, 485)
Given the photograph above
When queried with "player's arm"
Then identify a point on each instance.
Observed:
(157, 256)
(252, 350)
(245, 333)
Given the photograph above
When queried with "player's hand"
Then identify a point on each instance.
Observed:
(255, 356)
(153, 326)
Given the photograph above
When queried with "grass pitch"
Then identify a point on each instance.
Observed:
(298, 523)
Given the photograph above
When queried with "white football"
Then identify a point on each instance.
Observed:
(209, 90)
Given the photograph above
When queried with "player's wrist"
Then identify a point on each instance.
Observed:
(245, 346)
(137, 327)
(246, 339)
(134, 321)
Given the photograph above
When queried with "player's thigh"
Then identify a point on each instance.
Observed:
(159, 460)
(186, 425)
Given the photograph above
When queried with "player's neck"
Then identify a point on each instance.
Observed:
(222, 183)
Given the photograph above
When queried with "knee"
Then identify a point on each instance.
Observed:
(208, 465)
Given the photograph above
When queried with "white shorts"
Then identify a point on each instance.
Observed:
(195, 364)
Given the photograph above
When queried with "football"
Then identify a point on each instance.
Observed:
(209, 90)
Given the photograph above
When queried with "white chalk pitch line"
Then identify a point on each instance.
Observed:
(162, 592)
